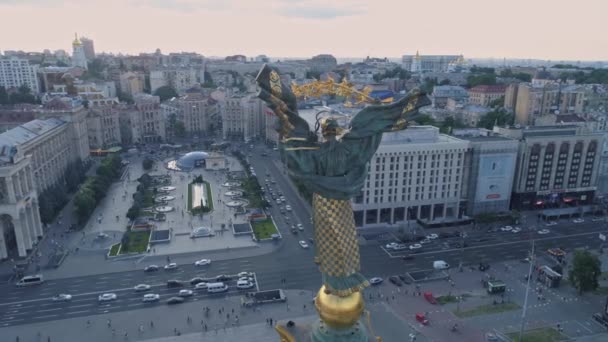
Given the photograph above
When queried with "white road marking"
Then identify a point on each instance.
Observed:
(50, 310)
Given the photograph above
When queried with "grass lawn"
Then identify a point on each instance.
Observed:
(209, 196)
(114, 250)
(446, 299)
(264, 229)
(539, 335)
(138, 242)
(198, 210)
(486, 310)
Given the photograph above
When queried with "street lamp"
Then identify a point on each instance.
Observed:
(523, 314)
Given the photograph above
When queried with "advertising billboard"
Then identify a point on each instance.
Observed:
(495, 177)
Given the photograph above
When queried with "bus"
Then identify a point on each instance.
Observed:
(31, 280)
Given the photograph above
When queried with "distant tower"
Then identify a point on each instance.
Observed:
(79, 59)
(416, 68)
(89, 48)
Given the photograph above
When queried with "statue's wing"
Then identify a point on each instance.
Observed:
(282, 101)
(385, 118)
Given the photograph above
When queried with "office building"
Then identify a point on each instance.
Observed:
(416, 174)
(142, 122)
(88, 47)
(557, 165)
(132, 83)
(103, 127)
(15, 72)
(429, 63)
(198, 113)
(484, 95)
(179, 78)
(242, 117)
(441, 94)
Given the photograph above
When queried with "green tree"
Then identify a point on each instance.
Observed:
(3, 96)
(165, 93)
(425, 120)
(481, 79)
(84, 203)
(313, 74)
(498, 103)
(179, 129)
(585, 271)
(449, 124)
(498, 117)
(428, 85)
(147, 163)
(445, 81)
(22, 95)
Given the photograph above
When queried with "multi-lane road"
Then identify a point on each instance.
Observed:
(290, 267)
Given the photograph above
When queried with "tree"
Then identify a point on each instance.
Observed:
(425, 120)
(313, 74)
(498, 117)
(481, 79)
(445, 81)
(147, 163)
(449, 124)
(22, 95)
(179, 129)
(428, 85)
(3, 96)
(585, 271)
(165, 93)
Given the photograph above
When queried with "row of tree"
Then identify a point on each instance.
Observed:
(22, 94)
(143, 197)
(95, 188)
(52, 200)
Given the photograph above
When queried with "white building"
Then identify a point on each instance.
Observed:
(197, 112)
(103, 127)
(132, 83)
(179, 78)
(143, 122)
(242, 117)
(415, 174)
(15, 72)
(79, 58)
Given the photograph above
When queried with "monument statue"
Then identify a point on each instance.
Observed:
(333, 167)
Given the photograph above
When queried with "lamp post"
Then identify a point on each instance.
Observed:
(523, 314)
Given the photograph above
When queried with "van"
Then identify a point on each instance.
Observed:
(217, 287)
(31, 280)
(440, 265)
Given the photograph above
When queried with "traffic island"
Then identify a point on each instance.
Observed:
(539, 335)
(263, 229)
(133, 242)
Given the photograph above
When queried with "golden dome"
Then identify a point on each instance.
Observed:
(76, 41)
(339, 312)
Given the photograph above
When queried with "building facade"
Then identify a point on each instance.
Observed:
(103, 127)
(242, 118)
(145, 120)
(132, 83)
(483, 95)
(89, 48)
(179, 78)
(441, 94)
(416, 174)
(322, 63)
(79, 58)
(429, 63)
(197, 112)
(557, 165)
(15, 72)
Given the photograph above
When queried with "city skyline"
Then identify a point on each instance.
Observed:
(344, 28)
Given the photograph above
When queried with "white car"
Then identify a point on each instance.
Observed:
(142, 287)
(432, 236)
(506, 228)
(151, 297)
(300, 227)
(288, 207)
(62, 297)
(244, 285)
(202, 262)
(415, 246)
(244, 274)
(516, 230)
(551, 223)
(425, 241)
(578, 220)
(185, 293)
(544, 231)
(106, 297)
(249, 279)
(171, 266)
(201, 286)
(391, 245)
(303, 244)
(400, 247)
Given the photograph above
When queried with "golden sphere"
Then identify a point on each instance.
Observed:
(339, 312)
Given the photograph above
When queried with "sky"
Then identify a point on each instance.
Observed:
(543, 29)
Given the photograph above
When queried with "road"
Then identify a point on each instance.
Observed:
(289, 262)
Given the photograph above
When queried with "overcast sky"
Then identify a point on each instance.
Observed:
(546, 29)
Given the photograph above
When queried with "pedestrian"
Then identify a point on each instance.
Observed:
(151, 324)
(205, 327)
(109, 323)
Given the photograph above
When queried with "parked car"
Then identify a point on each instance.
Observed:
(516, 230)
(506, 228)
(551, 223)
(196, 280)
(395, 280)
(432, 236)
(400, 247)
(223, 277)
(244, 274)
(415, 246)
(391, 245)
(544, 231)
(578, 220)
(376, 281)
(425, 241)
(201, 286)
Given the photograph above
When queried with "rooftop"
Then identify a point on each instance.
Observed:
(24, 133)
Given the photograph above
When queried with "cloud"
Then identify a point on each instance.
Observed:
(184, 5)
(316, 9)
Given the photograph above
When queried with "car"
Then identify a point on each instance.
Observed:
(223, 277)
(544, 231)
(244, 274)
(201, 286)
(170, 266)
(303, 244)
(151, 268)
(288, 207)
(196, 280)
(405, 278)
(432, 236)
(551, 223)
(141, 287)
(425, 241)
(249, 279)
(376, 281)
(151, 297)
(391, 245)
(185, 293)
(415, 246)
(516, 230)
(578, 220)
(400, 247)
(294, 231)
(202, 262)
(300, 227)
(506, 228)
(407, 257)
(395, 280)
(243, 285)
(62, 297)
(175, 283)
(175, 300)
(106, 297)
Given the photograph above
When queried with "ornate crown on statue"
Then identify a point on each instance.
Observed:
(331, 87)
